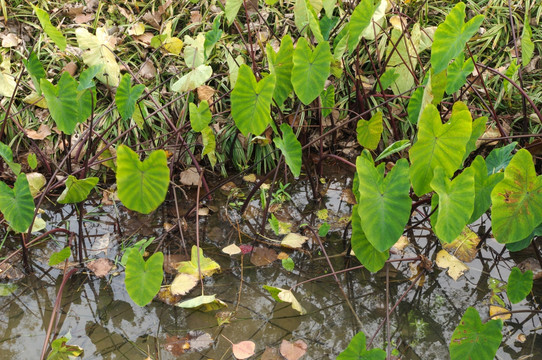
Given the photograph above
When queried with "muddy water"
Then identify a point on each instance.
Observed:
(108, 325)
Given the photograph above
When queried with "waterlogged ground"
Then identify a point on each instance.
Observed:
(108, 325)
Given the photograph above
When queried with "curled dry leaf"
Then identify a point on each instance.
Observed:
(42, 133)
(455, 267)
(293, 351)
(232, 249)
(251, 178)
(243, 350)
(100, 267)
(401, 244)
(165, 296)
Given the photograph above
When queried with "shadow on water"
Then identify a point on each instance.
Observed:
(104, 321)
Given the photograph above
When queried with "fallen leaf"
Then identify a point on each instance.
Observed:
(165, 296)
(347, 195)
(100, 267)
(455, 267)
(193, 341)
(262, 256)
(83, 18)
(207, 266)
(153, 19)
(36, 182)
(34, 99)
(205, 93)
(288, 296)
(401, 244)
(148, 71)
(101, 244)
(10, 40)
(98, 50)
(144, 39)
(464, 247)
(495, 310)
(232, 249)
(7, 82)
(10, 272)
(183, 283)
(195, 17)
(245, 249)
(171, 262)
(137, 29)
(533, 265)
(223, 317)
(251, 178)
(228, 187)
(190, 177)
(293, 351)
(293, 241)
(243, 350)
(282, 256)
(204, 303)
(490, 133)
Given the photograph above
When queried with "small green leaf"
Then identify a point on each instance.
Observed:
(388, 78)
(142, 186)
(393, 148)
(451, 37)
(50, 30)
(280, 65)
(290, 147)
(86, 79)
(369, 131)
(35, 69)
(17, 204)
(517, 200)
(77, 190)
(143, 278)
(274, 223)
(127, 96)
(7, 155)
(311, 70)
(323, 229)
(200, 116)
(474, 340)
(209, 145)
(327, 97)
(458, 72)
(498, 159)
(357, 350)
(32, 161)
(288, 264)
(251, 102)
(58, 257)
(519, 285)
(359, 21)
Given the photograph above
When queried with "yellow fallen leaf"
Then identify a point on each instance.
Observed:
(183, 283)
(99, 51)
(293, 241)
(7, 82)
(137, 29)
(173, 45)
(232, 249)
(401, 244)
(455, 267)
(495, 310)
(35, 99)
(288, 296)
(464, 247)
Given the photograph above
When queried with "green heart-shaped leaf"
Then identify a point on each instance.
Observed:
(498, 159)
(77, 190)
(290, 147)
(519, 285)
(384, 203)
(127, 96)
(62, 102)
(357, 350)
(439, 145)
(483, 185)
(474, 340)
(17, 204)
(200, 116)
(455, 203)
(517, 200)
(311, 70)
(142, 186)
(143, 278)
(451, 37)
(281, 64)
(365, 252)
(369, 131)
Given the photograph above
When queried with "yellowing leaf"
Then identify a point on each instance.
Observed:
(193, 79)
(99, 51)
(464, 246)
(137, 29)
(173, 45)
(293, 241)
(288, 296)
(495, 310)
(35, 181)
(35, 99)
(194, 52)
(183, 283)
(455, 267)
(208, 266)
(7, 82)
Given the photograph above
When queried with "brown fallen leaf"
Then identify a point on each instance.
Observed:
(9, 272)
(193, 341)
(347, 195)
(148, 71)
(293, 351)
(263, 256)
(271, 354)
(42, 133)
(171, 262)
(190, 177)
(205, 92)
(165, 296)
(533, 265)
(243, 350)
(100, 267)
(83, 18)
(144, 39)
(10, 40)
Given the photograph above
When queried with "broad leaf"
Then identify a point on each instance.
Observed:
(455, 203)
(7, 156)
(280, 65)
(194, 51)
(473, 340)
(251, 101)
(439, 145)
(209, 145)
(98, 50)
(517, 200)
(388, 78)
(143, 278)
(200, 116)
(359, 21)
(62, 101)
(327, 98)
(127, 96)
(35, 70)
(483, 185)
(17, 204)
(498, 159)
(403, 58)
(369, 131)
(519, 285)
(478, 128)
(203, 302)
(77, 190)
(384, 203)
(458, 72)
(393, 148)
(451, 37)
(290, 147)
(50, 30)
(86, 79)
(357, 350)
(311, 70)
(365, 252)
(523, 244)
(194, 79)
(301, 16)
(142, 186)
(208, 266)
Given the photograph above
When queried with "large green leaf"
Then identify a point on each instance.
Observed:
(439, 145)
(301, 16)
(62, 102)
(359, 21)
(483, 185)
(311, 70)
(127, 96)
(357, 350)
(451, 37)
(290, 147)
(473, 340)
(519, 285)
(517, 200)
(251, 101)
(384, 203)
(77, 190)
(143, 278)
(50, 30)
(281, 64)
(455, 203)
(17, 204)
(142, 186)
(369, 131)
(35, 69)
(365, 252)
(458, 72)
(200, 116)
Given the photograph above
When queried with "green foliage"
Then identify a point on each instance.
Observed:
(127, 96)
(143, 278)
(50, 30)
(280, 65)
(251, 101)
(365, 252)
(483, 185)
(527, 45)
(519, 285)
(32, 160)
(200, 116)
(393, 149)
(291, 148)
(327, 97)
(357, 350)
(369, 131)
(35, 70)
(77, 190)
(359, 21)
(58, 257)
(474, 340)
(458, 72)
(212, 37)
(142, 186)
(17, 204)
(62, 351)
(499, 158)
(7, 156)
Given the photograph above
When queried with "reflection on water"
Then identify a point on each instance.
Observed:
(108, 325)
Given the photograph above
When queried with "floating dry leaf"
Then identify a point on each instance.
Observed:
(293, 241)
(494, 310)
(36, 182)
(232, 249)
(243, 350)
(207, 266)
(100, 267)
(193, 341)
(183, 283)
(10, 272)
(455, 267)
(293, 351)
(288, 296)
(401, 244)
(190, 177)
(171, 262)
(262, 256)
(533, 265)
(165, 296)
(347, 195)
(464, 247)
